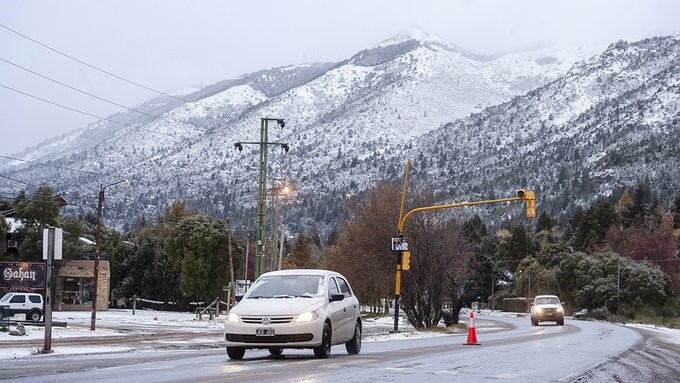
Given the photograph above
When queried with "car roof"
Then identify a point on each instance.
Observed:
(319, 272)
(547, 296)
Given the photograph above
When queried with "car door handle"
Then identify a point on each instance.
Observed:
(344, 309)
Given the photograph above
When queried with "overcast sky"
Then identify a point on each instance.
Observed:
(170, 45)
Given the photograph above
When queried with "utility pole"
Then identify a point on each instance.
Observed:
(529, 288)
(231, 265)
(281, 249)
(493, 269)
(47, 346)
(262, 184)
(245, 269)
(618, 286)
(100, 206)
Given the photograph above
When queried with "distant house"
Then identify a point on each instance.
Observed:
(15, 224)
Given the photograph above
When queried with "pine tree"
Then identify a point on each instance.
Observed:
(676, 212)
(636, 211)
(624, 203)
(545, 222)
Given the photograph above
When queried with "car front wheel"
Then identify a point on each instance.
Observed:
(324, 351)
(534, 322)
(354, 345)
(236, 353)
(560, 322)
(34, 316)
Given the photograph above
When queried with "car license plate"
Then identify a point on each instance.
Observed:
(264, 332)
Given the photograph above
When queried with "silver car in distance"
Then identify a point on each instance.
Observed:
(295, 309)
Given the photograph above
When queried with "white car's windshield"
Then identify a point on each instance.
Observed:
(547, 301)
(287, 286)
(6, 298)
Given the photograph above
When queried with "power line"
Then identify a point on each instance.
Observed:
(81, 111)
(16, 180)
(131, 109)
(77, 89)
(91, 66)
(50, 165)
(62, 106)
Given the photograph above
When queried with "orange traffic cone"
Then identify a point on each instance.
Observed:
(472, 333)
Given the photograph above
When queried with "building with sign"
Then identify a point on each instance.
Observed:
(26, 277)
(75, 282)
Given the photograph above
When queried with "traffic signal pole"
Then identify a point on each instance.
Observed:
(400, 253)
(528, 197)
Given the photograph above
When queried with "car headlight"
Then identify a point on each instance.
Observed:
(232, 317)
(560, 310)
(306, 317)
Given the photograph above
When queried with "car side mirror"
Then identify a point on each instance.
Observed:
(337, 297)
(564, 303)
(238, 298)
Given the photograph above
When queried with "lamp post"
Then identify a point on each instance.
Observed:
(262, 182)
(277, 191)
(100, 206)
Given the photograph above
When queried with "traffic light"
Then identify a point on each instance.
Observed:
(531, 204)
(530, 200)
(405, 261)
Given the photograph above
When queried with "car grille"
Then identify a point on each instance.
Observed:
(286, 338)
(272, 320)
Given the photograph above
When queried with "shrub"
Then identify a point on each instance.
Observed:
(600, 313)
(671, 308)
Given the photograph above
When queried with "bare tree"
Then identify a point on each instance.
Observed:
(442, 260)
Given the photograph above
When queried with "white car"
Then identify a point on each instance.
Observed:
(22, 303)
(295, 309)
(547, 308)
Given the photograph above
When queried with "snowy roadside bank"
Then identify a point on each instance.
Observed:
(32, 352)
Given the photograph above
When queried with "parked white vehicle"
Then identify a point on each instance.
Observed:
(295, 309)
(22, 303)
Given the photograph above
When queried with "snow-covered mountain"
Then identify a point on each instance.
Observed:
(347, 124)
(610, 122)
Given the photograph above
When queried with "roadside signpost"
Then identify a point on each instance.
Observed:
(52, 245)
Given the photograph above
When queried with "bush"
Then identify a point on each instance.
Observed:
(450, 317)
(592, 281)
(671, 308)
(627, 310)
(600, 313)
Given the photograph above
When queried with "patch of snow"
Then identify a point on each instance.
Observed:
(669, 335)
(32, 352)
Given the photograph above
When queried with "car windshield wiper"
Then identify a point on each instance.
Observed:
(258, 297)
(283, 296)
(305, 296)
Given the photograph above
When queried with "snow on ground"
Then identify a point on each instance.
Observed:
(118, 318)
(35, 332)
(669, 335)
(26, 352)
(404, 335)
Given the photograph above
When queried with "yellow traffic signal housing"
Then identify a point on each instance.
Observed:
(405, 261)
(531, 204)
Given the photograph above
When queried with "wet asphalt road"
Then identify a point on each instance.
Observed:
(511, 350)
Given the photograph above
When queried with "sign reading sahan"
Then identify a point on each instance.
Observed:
(22, 276)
